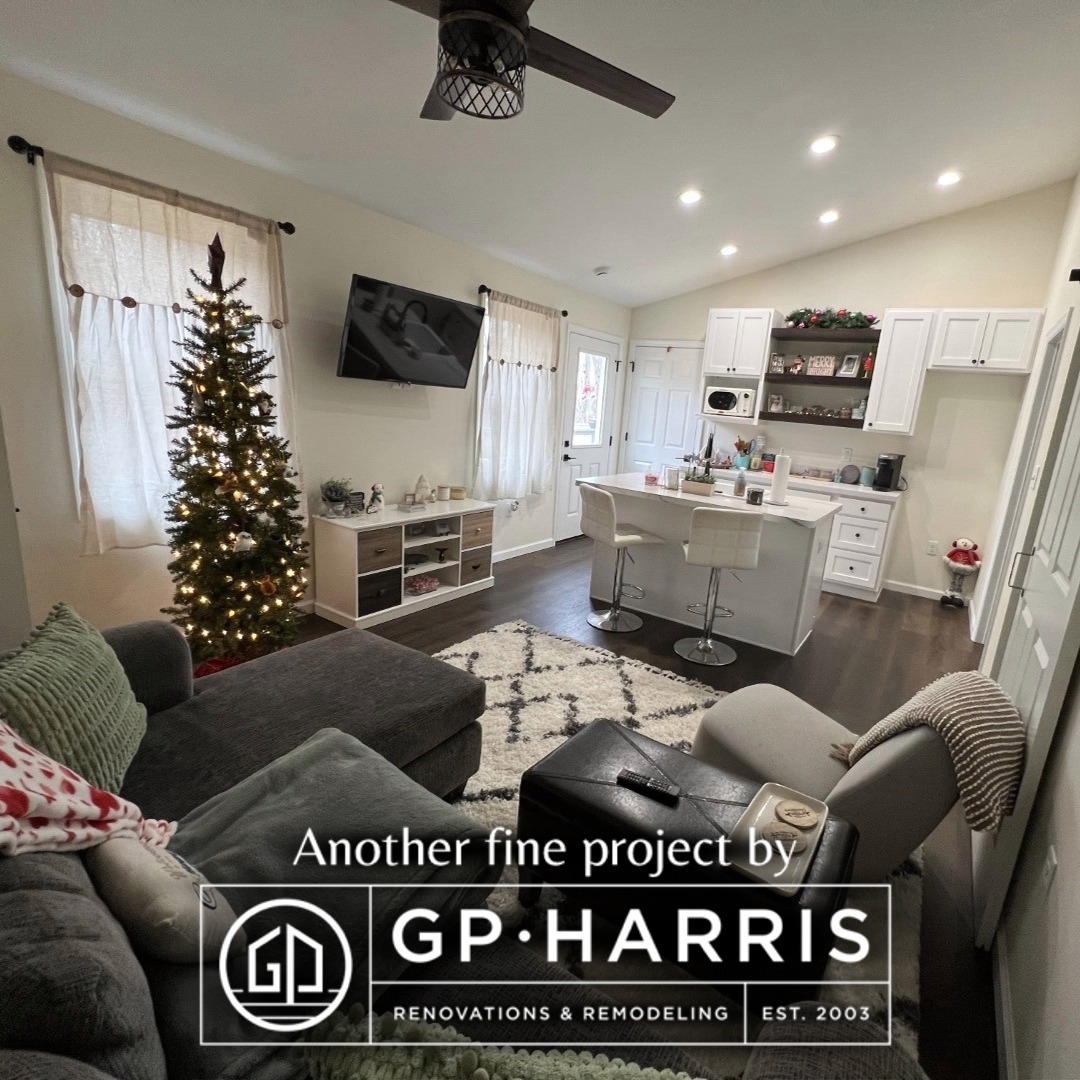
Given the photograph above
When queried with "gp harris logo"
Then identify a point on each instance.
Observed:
(291, 978)
(302, 955)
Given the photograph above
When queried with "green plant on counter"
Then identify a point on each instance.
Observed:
(335, 491)
(700, 476)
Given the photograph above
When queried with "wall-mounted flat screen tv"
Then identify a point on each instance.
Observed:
(397, 334)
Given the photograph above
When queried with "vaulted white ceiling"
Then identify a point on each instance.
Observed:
(328, 91)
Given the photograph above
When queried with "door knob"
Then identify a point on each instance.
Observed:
(567, 457)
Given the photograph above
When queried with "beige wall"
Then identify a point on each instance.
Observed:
(998, 255)
(1039, 944)
(363, 430)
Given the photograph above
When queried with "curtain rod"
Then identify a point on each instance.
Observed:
(32, 153)
(485, 289)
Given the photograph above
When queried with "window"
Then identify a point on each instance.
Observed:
(592, 379)
(124, 250)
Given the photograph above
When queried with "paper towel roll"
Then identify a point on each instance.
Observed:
(778, 492)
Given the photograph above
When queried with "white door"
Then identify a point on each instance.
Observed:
(721, 337)
(1009, 341)
(590, 388)
(958, 339)
(755, 333)
(662, 416)
(1041, 642)
(898, 372)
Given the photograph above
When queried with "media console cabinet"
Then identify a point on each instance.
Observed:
(363, 564)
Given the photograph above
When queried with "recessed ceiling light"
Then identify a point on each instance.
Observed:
(690, 196)
(829, 217)
(728, 249)
(823, 144)
(948, 178)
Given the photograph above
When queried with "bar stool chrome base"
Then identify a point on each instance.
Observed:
(615, 621)
(705, 651)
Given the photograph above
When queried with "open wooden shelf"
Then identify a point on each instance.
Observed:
(820, 421)
(868, 335)
(848, 382)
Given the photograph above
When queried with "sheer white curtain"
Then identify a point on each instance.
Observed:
(515, 427)
(124, 249)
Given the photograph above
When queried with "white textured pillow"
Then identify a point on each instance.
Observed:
(155, 896)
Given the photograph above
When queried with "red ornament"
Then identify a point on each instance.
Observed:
(842, 312)
(813, 319)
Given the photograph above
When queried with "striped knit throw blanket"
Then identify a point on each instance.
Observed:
(984, 735)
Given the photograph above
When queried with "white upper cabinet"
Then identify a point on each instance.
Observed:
(1001, 340)
(737, 340)
(899, 370)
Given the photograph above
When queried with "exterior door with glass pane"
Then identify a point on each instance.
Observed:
(587, 446)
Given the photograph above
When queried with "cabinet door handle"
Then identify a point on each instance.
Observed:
(476, 565)
(974, 361)
(380, 551)
(858, 536)
(852, 569)
(982, 361)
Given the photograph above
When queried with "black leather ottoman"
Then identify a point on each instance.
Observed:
(572, 795)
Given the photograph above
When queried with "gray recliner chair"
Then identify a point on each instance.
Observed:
(896, 795)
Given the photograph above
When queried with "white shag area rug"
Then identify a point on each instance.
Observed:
(542, 689)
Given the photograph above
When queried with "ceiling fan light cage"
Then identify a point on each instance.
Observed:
(481, 65)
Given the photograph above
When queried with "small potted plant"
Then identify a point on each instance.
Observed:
(335, 496)
(698, 481)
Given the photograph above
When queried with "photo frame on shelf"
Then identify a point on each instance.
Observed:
(776, 363)
(821, 365)
(776, 403)
(849, 366)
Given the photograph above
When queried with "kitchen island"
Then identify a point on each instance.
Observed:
(775, 605)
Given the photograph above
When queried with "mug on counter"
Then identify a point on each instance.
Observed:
(755, 495)
(866, 476)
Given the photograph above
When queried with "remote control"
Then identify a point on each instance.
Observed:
(660, 790)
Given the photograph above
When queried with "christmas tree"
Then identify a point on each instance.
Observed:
(239, 561)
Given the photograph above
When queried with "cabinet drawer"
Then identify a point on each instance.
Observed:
(378, 549)
(858, 535)
(476, 529)
(855, 508)
(475, 565)
(377, 592)
(851, 569)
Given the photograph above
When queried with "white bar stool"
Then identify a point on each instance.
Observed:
(722, 540)
(598, 521)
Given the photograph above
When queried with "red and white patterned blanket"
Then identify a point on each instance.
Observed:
(45, 806)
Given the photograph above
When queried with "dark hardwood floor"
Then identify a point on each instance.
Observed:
(861, 662)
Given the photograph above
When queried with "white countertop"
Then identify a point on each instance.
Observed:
(809, 483)
(808, 512)
(390, 515)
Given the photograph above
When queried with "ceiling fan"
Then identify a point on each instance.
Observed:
(485, 47)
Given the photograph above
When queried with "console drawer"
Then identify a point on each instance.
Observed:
(851, 569)
(857, 508)
(476, 529)
(475, 565)
(858, 535)
(378, 549)
(377, 592)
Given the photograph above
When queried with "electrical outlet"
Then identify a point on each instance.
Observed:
(932, 547)
(1049, 868)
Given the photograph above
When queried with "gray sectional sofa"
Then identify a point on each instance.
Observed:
(352, 735)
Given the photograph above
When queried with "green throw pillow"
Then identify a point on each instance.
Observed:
(66, 694)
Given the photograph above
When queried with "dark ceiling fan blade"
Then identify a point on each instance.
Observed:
(516, 9)
(435, 108)
(574, 65)
(424, 7)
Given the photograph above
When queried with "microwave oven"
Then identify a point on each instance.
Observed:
(729, 401)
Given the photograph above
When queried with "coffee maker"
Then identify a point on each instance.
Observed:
(887, 477)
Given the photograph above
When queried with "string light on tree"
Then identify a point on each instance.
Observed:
(234, 494)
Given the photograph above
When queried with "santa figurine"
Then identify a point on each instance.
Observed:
(962, 563)
(376, 504)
